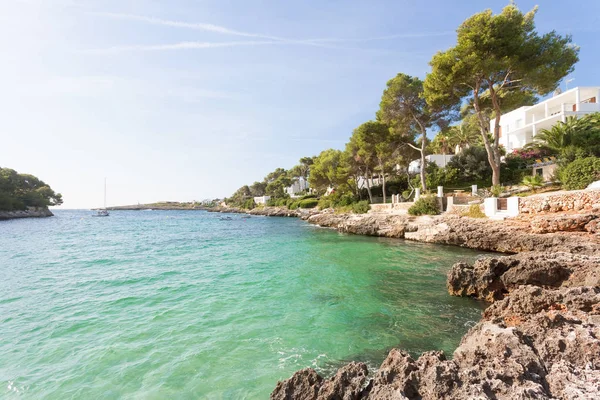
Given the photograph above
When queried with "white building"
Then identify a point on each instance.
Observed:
(299, 186)
(440, 159)
(262, 199)
(519, 127)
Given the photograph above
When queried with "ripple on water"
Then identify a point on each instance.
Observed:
(183, 305)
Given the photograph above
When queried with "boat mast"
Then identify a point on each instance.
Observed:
(105, 193)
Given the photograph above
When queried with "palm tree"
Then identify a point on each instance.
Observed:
(462, 137)
(533, 182)
(559, 136)
(441, 144)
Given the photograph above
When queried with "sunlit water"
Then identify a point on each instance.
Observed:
(168, 304)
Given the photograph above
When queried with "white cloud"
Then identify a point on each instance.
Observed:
(177, 46)
(187, 25)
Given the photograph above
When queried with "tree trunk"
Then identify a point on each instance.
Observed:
(492, 150)
(382, 181)
(496, 147)
(369, 182)
(423, 161)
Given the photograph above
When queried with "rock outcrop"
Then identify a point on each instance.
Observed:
(492, 277)
(31, 212)
(510, 236)
(539, 339)
(536, 343)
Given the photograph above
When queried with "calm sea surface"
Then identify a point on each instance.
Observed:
(183, 305)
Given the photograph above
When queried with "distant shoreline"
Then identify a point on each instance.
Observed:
(159, 206)
(31, 212)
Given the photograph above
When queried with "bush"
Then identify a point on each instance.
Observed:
(472, 164)
(496, 190)
(308, 196)
(533, 181)
(425, 206)
(308, 203)
(361, 207)
(580, 173)
(324, 202)
(474, 212)
(249, 204)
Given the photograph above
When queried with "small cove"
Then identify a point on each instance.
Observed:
(181, 304)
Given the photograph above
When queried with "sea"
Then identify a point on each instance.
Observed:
(188, 305)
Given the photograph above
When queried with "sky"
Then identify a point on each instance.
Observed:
(181, 100)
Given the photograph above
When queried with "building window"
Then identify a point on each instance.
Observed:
(539, 171)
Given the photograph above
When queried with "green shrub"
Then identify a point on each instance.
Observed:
(324, 202)
(249, 204)
(361, 207)
(533, 181)
(425, 206)
(474, 212)
(580, 173)
(308, 196)
(496, 190)
(308, 203)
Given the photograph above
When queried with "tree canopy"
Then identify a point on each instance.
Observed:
(404, 109)
(495, 55)
(19, 191)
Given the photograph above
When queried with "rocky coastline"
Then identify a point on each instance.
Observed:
(31, 212)
(538, 338)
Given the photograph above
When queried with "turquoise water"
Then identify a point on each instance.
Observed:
(168, 304)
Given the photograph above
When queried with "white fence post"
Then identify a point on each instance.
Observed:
(417, 194)
(474, 190)
(440, 191)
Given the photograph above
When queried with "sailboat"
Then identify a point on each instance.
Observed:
(103, 212)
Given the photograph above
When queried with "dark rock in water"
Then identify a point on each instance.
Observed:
(491, 278)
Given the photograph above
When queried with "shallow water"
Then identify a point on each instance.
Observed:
(179, 304)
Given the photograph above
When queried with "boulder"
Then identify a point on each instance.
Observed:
(491, 278)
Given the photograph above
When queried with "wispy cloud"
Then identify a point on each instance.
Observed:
(177, 46)
(268, 39)
(188, 25)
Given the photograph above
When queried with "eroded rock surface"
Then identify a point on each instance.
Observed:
(536, 344)
(511, 236)
(491, 278)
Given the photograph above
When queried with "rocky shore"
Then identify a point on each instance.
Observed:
(31, 212)
(540, 336)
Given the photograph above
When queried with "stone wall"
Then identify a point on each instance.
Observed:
(576, 200)
(31, 212)
(399, 208)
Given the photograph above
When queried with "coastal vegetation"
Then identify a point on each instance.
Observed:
(426, 205)
(20, 191)
(499, 63)
(497, 58)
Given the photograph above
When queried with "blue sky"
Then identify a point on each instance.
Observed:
(186, 100)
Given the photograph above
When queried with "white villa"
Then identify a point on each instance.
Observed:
(299, 186)
(440, 159)
(519, 127)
